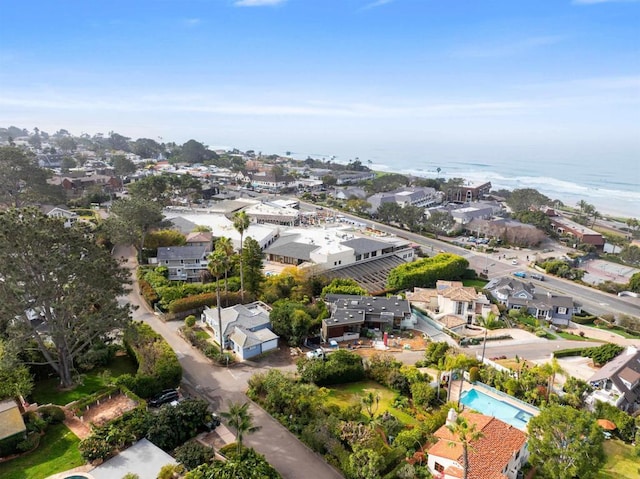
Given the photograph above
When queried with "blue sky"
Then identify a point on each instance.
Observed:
(346, 77)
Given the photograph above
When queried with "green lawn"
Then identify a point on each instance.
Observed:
(619, 332)
(46, 391)
(346, 394)
(202, 334)
(58, 451)
(622, 462)
(476, 283)
(572, 337)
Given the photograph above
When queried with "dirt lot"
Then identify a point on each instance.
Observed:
(99, 414)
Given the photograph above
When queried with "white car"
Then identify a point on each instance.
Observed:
(514, 261)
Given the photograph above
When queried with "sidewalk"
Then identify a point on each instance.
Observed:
(603, 335)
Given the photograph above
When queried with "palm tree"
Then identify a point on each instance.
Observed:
(224, 244)
(466, 434)
(554, 368)
(218, 264)
(239, 418)
(241, 224)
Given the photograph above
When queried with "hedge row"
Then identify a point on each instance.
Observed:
(148, 293)
(202, 300)
(158, 365)
(600, 354)
(583, 319)
(425, 272)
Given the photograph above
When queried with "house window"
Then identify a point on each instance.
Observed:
(374, 253)
(517, 454)
(358, 257)
(458, 308)
(562, 310)
(438, 467)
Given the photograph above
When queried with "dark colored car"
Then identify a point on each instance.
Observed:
(165, 397)
(213, 423)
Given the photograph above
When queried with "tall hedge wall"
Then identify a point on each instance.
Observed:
(158, 365)
(425, 272)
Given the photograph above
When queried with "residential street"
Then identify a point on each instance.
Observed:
(219, 385)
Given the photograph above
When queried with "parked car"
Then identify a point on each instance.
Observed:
(514, 261)
(520, 274)
(537, 276)
(213, 423)
(165, 397)
(316, 354)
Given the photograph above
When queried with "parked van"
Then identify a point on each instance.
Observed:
(537, 276)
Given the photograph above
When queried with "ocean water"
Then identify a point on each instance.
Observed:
(612, 185)
(615, 196)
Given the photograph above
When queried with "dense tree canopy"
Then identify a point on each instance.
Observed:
(132, 219)
(566, 443)
(22, 181)
(248, 465)
(524, 198)
(67, 278)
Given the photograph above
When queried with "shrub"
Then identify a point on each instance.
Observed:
(34, 422)
(9, 445)
(94, 448)
(340, 367)
(190, 321)
(170, 471)
(474, 374)
(192, 454)
(31, 442)
(52, 414)
(158, 365)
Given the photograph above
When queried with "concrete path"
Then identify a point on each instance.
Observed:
(220, 385)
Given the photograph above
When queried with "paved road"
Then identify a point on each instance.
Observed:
(219, 385)
(594, 301)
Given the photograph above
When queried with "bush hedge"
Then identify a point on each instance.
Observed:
(425, 272)
(158, 365)
(52, 414)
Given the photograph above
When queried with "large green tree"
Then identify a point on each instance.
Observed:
(524, 198)
(15, 378)
(566, 443)
(64, 275)
(241, 224)
(22, 181)
(132, 219)
(252, 262)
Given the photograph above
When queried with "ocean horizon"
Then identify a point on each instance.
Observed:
(613, 187)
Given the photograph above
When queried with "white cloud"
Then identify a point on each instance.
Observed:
(507, 48)
(258, 3)
(593, 2)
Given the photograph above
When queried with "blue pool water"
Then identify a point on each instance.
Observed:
(490, 406)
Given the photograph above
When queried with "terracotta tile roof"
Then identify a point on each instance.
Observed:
(450, 321)
(422, 294)
(460, 293)
(489, 455)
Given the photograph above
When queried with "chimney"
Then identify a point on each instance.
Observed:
(452, 417)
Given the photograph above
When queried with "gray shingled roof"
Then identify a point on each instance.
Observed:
(181, 252)
(292, 249)
(183, 225)
(366, 245)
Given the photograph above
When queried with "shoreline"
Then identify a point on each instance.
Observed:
(569, 199)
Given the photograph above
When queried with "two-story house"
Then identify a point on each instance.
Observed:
(245, 328)
(351, 313)
(618, 382)
(185, 263)
(515, 294)
(499, 454)
(452, 304)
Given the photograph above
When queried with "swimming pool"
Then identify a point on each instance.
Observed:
(491, 406)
